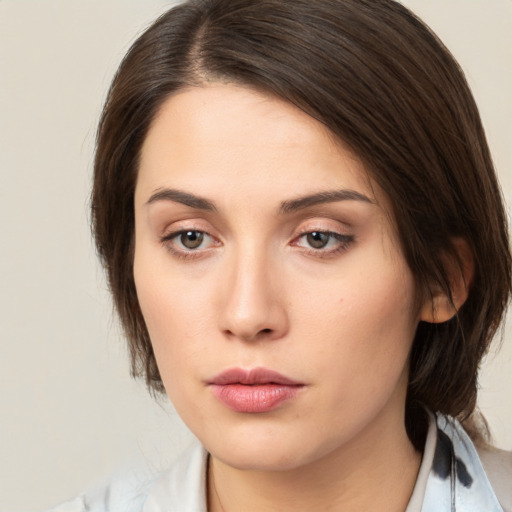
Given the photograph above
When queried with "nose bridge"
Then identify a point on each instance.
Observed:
(253, 307)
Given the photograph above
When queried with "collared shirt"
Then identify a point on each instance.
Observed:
(451, 479)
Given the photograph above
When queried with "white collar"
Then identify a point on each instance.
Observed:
(182, 488)
(451, 477)
(457, 481)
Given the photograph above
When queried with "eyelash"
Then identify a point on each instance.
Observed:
(185, 254)
(344, 241)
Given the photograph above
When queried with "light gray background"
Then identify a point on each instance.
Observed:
(69, 414)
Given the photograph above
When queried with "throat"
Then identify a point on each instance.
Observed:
(321, 486)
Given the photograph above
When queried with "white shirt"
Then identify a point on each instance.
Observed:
(451, 479)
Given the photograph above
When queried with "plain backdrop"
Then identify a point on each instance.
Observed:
(69, 413)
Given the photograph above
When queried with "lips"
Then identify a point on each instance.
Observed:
(253, 391)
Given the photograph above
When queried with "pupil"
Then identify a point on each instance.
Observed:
(192, 239)
(317, 240)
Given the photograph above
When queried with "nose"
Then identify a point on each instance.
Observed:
(253, 306)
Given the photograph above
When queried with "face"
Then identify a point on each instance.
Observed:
(269, 274)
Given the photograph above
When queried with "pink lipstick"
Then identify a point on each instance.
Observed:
(253, 391)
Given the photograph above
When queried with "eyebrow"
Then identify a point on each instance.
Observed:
(178, 196)
(289, 206)
(331, 196)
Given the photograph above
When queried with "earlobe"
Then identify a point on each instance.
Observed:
(438, 309)
(460, 267)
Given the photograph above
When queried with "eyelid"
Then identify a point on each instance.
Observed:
(169, 237)
(322, 224)
(327, 227)
(343, 243)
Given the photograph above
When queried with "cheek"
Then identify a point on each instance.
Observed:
(171, 308)
(364, 324)
(174, 325)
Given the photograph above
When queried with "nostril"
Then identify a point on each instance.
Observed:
(258, 335)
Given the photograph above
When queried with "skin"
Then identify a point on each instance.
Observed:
(255, 293)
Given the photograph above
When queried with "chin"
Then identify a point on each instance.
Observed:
(274, 448)
(257, 458)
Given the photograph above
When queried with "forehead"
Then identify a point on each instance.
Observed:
(226, 136)
(248, 113)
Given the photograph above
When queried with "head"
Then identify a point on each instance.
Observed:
(386, 90)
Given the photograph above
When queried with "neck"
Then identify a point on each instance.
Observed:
(353, 478)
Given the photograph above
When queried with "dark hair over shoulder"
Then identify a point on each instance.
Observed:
(383, 83)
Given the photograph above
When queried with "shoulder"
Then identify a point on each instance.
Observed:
(75, 505)
(124, 493)
(181, 487)
(498, 467)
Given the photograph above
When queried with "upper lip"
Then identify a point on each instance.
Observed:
(252, 377)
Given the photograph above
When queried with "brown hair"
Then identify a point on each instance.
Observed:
(383, 83)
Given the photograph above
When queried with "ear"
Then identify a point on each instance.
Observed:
(460, 268)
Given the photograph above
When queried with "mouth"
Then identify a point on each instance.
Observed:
(253, 391)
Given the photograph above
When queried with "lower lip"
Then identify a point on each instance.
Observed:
(254, 398)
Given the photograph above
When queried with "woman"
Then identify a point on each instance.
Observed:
(303, 234)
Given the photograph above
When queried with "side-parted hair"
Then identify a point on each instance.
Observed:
(386, 86)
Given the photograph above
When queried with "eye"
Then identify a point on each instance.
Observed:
(317, 239)
(188, 242)
(191, 239)
(324, 242)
